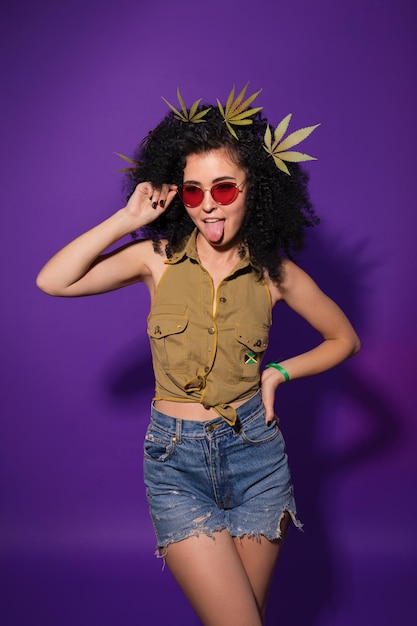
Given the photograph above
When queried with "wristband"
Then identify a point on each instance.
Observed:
(280, 369)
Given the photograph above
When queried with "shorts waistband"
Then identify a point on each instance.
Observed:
(192, 428)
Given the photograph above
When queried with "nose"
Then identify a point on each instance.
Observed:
(208, 204)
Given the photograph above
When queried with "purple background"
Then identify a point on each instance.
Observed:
(82, 80)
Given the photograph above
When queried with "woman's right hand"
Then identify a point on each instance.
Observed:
(147, 203)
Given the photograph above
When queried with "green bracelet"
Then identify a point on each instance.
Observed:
(280, 369)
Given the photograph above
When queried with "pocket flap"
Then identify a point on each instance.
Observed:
(253, 337)
(160, 326)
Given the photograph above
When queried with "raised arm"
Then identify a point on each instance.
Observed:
(340, 340)
(81, 268)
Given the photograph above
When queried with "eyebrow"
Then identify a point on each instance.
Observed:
(216, 180)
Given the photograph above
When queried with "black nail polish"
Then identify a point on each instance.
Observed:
(162, 203)
(153, 205)
(269, 422)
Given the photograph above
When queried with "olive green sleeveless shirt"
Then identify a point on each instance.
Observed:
(201, 357)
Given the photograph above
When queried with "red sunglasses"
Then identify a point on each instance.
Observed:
(222, 193)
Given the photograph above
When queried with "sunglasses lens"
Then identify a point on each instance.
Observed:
(191, 195)
(224, 193)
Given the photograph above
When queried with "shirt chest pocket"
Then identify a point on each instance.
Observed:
(250, 343)
(168, 341)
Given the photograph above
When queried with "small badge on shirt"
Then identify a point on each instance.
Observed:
(250, 357)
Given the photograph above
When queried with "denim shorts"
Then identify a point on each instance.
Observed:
(203, 477)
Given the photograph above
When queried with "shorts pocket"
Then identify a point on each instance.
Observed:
(256, 432)
(158, 446)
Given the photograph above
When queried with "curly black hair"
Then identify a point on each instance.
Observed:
(278, 206)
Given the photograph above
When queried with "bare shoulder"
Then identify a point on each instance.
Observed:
(294, 278)
(294, 286)
(290, 274)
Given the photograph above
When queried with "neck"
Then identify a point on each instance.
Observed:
(217, 253)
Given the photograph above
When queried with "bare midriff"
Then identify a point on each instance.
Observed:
(190, 410)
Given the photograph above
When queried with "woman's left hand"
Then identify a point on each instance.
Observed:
(270, 381)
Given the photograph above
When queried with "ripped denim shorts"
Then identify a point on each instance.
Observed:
(203, 477)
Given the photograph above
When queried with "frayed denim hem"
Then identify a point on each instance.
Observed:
(239, 533)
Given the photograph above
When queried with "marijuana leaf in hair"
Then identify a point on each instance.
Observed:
(234, 111)
(185, 115)
(279, 149)
(129, 160)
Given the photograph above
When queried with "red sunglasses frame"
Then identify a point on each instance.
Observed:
(210, 189)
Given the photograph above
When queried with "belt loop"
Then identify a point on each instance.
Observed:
(178, 430)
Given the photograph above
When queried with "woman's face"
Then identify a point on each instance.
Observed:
(219, 224)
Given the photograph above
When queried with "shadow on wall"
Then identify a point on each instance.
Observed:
(307, 568)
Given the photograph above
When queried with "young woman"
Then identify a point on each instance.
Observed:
(223, 207)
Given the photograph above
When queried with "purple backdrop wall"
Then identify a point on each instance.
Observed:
(81, 80)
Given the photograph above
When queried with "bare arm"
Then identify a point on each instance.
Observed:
(81, 268)
(340, 340)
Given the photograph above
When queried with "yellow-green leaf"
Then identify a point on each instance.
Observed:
(281, 165)
(231, 131)
(229, 100)
(267, 138)
(232, 105)
(244, 105)
(177, 113)
(126, 158)
(281, 129)
(295, 157)
(194, 108)
(219, 104)
(242, 116)
(279, 151)
(182, 104)
(297, 137)
(241, 122)
(197, 117)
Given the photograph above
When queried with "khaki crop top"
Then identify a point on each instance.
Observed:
(201, 357)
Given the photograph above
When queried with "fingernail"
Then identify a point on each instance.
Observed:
(269, 422)
(153, 205)
(150, 199)
(162, 203)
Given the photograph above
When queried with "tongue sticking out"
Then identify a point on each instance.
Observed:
(214, 231)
